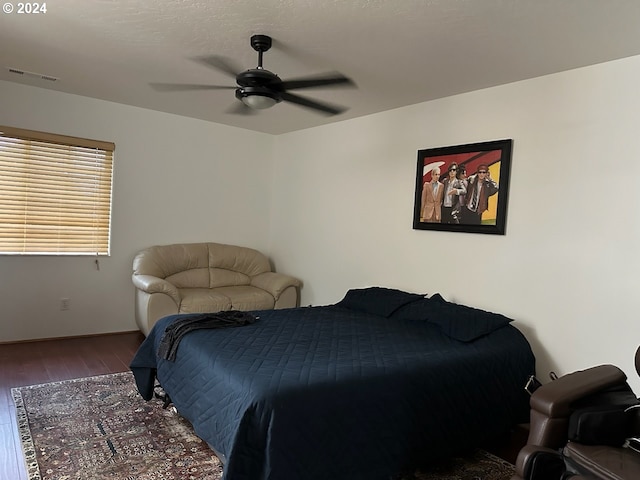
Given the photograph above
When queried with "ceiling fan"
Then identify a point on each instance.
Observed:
(258, 88)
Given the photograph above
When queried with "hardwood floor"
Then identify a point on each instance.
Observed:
(30, 363)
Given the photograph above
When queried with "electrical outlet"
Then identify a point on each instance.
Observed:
(65, 304)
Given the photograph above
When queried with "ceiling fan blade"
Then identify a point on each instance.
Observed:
(312, 104)
(327, 79)
(183, 87)
(220, 63)
(241, 109)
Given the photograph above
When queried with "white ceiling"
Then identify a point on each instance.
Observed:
(398, 52)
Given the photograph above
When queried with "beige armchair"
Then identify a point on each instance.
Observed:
(206, 277)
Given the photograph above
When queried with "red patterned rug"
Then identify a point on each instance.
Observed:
(100, 428)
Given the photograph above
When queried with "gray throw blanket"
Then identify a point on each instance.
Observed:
(178, 329)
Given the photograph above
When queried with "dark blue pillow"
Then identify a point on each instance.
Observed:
(437, 298)
(464, 323)
(377, 300)
(417, 310)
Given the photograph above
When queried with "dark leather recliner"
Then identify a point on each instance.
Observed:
(551, 408)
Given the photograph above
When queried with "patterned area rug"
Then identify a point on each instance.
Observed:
(479, 465)
(100, 428)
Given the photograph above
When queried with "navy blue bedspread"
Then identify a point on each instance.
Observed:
(322, 393)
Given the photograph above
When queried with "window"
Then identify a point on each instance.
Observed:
(55, 194)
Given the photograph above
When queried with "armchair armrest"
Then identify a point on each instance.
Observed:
(555, 398)
(539, 463)
(551, 404)
(274, 283)
(151, 284)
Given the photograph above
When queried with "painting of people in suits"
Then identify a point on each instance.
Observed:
(463, 188)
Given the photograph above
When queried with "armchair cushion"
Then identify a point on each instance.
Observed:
(246, 297)
(610, 463)
(606, 418)
(203, 300)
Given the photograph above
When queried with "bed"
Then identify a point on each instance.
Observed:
(380, 383)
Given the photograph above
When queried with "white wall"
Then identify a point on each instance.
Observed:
(175, 180)
(565, 270)
(338, 201)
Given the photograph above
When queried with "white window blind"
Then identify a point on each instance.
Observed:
(55, 193)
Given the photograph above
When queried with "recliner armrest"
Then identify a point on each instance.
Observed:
(274, 283)
(151, 284)
(525, 457)
(555, 398)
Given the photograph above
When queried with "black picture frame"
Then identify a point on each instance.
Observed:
(490, 207)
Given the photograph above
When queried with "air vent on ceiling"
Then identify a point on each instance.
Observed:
(40, 76)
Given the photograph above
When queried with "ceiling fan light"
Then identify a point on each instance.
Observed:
(259, 102)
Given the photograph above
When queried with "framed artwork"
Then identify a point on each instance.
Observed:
(463, 188)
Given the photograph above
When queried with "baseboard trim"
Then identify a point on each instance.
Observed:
(49, 339)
